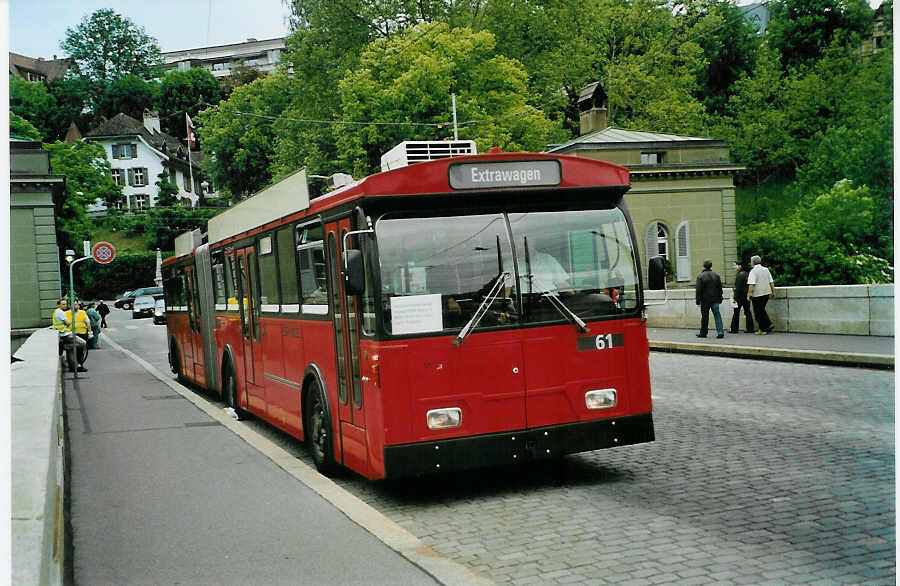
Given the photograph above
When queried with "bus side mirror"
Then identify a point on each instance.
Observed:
(656, 274)
(354, 272)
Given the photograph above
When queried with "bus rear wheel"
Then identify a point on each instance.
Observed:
(230, 392)
(318, 431)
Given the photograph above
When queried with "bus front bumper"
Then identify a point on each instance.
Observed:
(516, 446)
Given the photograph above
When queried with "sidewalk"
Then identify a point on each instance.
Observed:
(865, 351)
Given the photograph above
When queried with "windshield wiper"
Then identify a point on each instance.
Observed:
(482, 309)
(561, 307)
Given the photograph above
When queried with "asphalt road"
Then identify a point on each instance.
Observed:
(761, 473)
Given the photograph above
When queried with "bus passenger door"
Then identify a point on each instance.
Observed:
(346, 335)
(195, 344)
(249, 308)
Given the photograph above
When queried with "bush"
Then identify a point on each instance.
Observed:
(827, 241)
(127, 271)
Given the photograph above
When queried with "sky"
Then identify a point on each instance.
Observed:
(36, 27)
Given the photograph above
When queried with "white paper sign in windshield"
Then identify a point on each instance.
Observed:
(504, 174)
(416, 314)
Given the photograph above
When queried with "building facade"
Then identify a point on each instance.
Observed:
(139, 152)
(221, 60)
(39, 69)
(682, 189)
(33, 253)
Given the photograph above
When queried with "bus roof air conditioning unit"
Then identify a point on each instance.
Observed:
(417, 151)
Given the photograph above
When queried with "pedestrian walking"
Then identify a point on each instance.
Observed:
(761, 288)
(739, 296)
(94, 316)
(82, 327)
(709, 296)
(103, 310)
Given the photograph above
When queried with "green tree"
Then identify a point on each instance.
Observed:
(107, 46)
(161, 225)
(410, 78)
(183, 92)
(824, 242)
(167, 192)
(240, 75)
(129, 95)
(32, 102)
(238, 138)
(88, 179)
(21, 128)
(729, 45)
(801, 30)
(73, 104)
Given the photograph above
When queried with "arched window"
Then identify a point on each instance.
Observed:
(656, 240)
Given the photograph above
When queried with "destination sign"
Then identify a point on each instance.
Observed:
(504, 174)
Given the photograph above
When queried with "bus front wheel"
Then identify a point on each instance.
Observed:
(318, 431)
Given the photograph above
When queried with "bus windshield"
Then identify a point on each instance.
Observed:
(437, 271)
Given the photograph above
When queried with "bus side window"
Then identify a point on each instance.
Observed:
(268, 275)
(230, 286)
(311, 269)
(182, 291)
(218, 266)
(287, 271)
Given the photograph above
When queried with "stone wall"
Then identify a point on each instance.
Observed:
(38, 546)
(866, 310)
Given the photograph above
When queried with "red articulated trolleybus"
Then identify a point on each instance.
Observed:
(460, 312)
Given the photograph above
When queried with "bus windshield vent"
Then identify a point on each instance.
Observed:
(417, 151)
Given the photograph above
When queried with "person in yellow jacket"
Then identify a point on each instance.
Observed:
(62, 323)
(82, 330)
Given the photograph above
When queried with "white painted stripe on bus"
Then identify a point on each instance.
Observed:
(290, 308)
(269, 308)
(220, 307)
(233, 307)
(317, 309)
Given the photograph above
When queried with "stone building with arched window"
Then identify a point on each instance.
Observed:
(682, 189)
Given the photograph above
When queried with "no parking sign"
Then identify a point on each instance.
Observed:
(103, 252)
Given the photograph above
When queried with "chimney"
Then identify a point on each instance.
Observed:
(592, 109)
(151, 122)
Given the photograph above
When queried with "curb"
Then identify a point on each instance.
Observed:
(761, 353)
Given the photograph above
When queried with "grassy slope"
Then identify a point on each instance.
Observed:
(120, 240)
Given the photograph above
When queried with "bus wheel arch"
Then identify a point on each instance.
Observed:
(317, 428)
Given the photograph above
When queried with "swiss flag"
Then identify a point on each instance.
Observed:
(192, 140)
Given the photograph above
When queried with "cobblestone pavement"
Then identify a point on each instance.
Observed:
(789, 480)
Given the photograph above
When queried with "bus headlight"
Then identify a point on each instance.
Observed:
(600, 399)
(444, 418)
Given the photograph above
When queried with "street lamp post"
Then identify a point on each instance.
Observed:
(70, 258)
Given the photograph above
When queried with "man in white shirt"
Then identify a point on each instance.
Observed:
(761, 287)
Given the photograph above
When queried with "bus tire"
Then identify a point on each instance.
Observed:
(318, 430)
